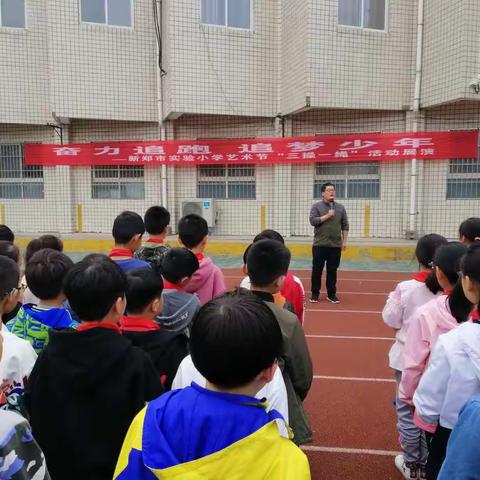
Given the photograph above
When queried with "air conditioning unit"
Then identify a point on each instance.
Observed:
(204, 207)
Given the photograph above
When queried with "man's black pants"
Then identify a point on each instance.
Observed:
(321, 256)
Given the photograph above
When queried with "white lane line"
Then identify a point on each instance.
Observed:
(355, 451)
(346, 337)
(354, 379)
(334, 310)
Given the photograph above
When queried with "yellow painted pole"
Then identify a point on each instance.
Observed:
(79, 218)
(366, 225)
(2, 210)
(263, 217)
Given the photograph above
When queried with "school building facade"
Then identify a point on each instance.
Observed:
(76, 71)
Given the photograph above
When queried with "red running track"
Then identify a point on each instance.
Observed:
(350, 403)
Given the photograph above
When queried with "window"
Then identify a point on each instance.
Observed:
(231, 182)
(230, 13)
(118, 182)
(12, 13)
(463, 179)
(351, 180)
(362, 13)
(108, 12)
(18, 180)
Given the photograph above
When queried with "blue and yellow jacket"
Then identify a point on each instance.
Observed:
(195, 433)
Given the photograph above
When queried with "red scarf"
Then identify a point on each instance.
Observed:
(421, 276)
(200, 256)
(475, 316)
(171, 286)
(155, 240)
(120, 252)
(89, 325)
(448, 292)
(138, 324)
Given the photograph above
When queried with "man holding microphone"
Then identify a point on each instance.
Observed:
(330, 221)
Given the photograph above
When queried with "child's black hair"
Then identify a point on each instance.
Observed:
(425, 252)
(192, 229)
(126, 226)
(470, 263)
(267, 260)
(470, 229)
(448, 259)
(93, 285)
(10, 250)
(143, 286)
(45, 241)
(157, 220)
(234, 338)
(6, 234)
(9, 276)
(269, 235)
(178, 263)
(46, 272)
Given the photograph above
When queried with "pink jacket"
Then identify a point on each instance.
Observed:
(401, 305)
(428, 323)
(207, 282)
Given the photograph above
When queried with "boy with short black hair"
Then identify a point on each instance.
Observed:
(222, 430)
(208, 281)
(292, 295)
(89, 383)
(157, 221)
(179, 306)
(128, 229)
(144, 303)
(45, 274)
(17, 356)
(267, 266)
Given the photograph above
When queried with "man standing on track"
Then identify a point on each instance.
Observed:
(331, 231)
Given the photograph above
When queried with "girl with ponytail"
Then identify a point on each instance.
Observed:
(401, 303)
(453, 374)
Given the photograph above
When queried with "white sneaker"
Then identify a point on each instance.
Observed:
(407, 470)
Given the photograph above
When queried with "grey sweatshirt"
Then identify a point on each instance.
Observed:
(178, 311)
(329, 233)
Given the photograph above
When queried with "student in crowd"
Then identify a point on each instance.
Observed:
(436, 317)
(462, 461)
(469, 232)
(20, 455)
(17, 356)
(144, 303)
(128, 229)
(267, 266)
(453, 375)
(89, 383)
(45, 274)
(292, 291)
(6, 234)
(179, 306)
(399, 308)
(207, 282)
(35, 245)
(222, 430)
(275, 392)
(157, 221)
(8, 249)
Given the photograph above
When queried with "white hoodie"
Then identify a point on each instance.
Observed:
(451, 379)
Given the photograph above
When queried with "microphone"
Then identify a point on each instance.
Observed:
(332, 205)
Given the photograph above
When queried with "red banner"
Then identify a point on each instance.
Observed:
(320, 148)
